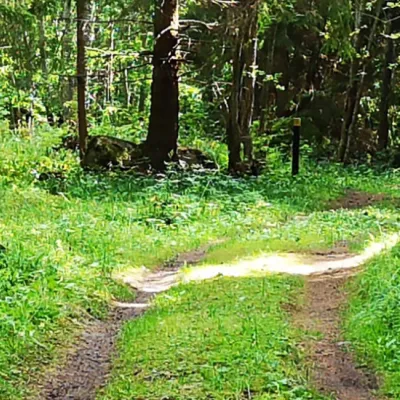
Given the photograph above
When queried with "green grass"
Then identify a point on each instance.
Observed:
(319, 231)
(223, 339)
(66, 237)
(373, 319)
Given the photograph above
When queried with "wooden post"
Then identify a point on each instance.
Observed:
(296, 146)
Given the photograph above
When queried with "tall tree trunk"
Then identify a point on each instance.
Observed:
(66, 85)
(266, 86)
(42, 45)
(48, 99)
(352, 88)
(164, 115)
(249, 81)
(244, 66)
(349, 110)
(110, 67)
(83, 15)
(390, 58)
(125, 83)
(233, 127)
(345, 146)
(143, 93)
(127, 89)
(371, 39)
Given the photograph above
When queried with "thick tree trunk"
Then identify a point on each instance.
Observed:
(83, 15)
(164, 115)
(390, 59)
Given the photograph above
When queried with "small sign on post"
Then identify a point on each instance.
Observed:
(296, 146)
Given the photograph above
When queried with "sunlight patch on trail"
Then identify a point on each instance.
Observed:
(294, 264)
(146, 281)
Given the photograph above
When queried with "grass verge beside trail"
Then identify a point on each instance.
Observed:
(373, 319)
(223, 339)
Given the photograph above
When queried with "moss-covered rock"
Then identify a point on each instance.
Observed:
(107, 152)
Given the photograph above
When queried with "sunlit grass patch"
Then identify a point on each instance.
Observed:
(347, 231)
(221, 340)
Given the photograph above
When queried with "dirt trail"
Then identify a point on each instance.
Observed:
(88, 364)
(334, 371)
(355, 199)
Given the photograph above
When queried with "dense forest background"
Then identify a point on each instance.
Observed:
(213, 73)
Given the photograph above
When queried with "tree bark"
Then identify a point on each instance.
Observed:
(349, 110)
(110, 67)
(42, 45)
(244, 66)
(352, 88)
(127, 89)
(83, 15)
(249, 81)
(66, 84)
(350, 133)
(164, 115)
(126, 85)
(143, 92)
(233, 127)
(266, 86)
(390, 58)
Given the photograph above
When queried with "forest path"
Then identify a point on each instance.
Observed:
(88, 363)
(87, 366)
(333, 368)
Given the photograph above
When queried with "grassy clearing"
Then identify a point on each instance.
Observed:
(373, 319)
(65, 235)
(226, 339)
